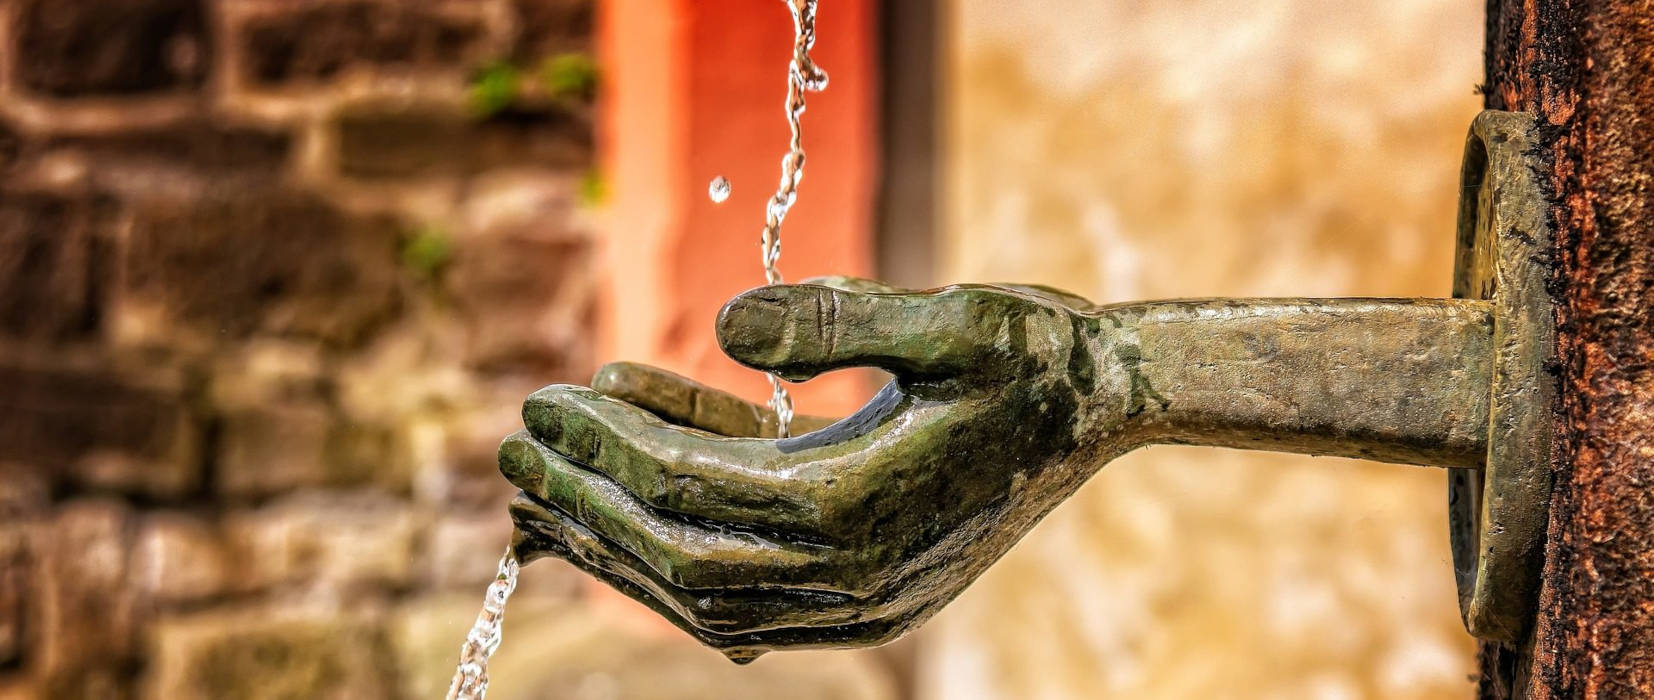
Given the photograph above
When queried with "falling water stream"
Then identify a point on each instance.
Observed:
(471, 677)
(803, 75)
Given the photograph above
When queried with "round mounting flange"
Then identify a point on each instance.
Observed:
(1497, 515)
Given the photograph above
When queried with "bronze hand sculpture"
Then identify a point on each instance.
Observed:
(1005, 400)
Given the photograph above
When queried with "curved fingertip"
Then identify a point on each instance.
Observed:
(537, 409)
(519, 463)
(755, 328)
(544, 411)
(618, 377)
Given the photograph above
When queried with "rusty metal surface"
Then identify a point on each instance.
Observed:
(1584, 67)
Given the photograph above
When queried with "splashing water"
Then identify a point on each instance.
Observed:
(803, 75)
(471, 678)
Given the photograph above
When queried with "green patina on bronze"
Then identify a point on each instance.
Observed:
(1005, 400)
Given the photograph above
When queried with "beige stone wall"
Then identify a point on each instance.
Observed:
(1132, 150)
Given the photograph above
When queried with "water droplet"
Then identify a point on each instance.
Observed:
(719, 189)
(743, 656)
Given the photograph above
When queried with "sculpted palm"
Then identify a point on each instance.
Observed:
(1004, 400)
(847, 535)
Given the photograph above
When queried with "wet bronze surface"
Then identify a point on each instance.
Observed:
(1005, 400)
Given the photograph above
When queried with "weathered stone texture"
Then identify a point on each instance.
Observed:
(551, 27)
(177, 160)
(376, 142)
(231, 265)
(317, 41)
(14, 581)
(508, 290)
(178, 558)
(271, 654)
(265, 450)
(84, 625)
(331, 541)
(67, 47)
(99, 427)
(55, 264)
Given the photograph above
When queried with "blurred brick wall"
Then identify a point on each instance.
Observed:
(274, 278)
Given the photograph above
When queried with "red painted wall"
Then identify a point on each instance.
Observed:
(694, 90)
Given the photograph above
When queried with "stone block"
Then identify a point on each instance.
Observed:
(15, 571)
(462, 552)
(177, 558)
(54, 264)
(269, 371)
(329, 541)
(549, 27)
(280, 447)
(24, 499)
(25, 493)
(197, 143)
(369, 453)
(270, 654)
(84, 611)
(100, 427)
(527, 302)
(424, 140)
(93, 47)
(305, 43)
(272, 449)
(178, 160)
(467, 477)
(264, 261)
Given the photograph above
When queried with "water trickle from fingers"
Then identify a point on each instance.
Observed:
(742, 656)
(803, 75)
(471, 678)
